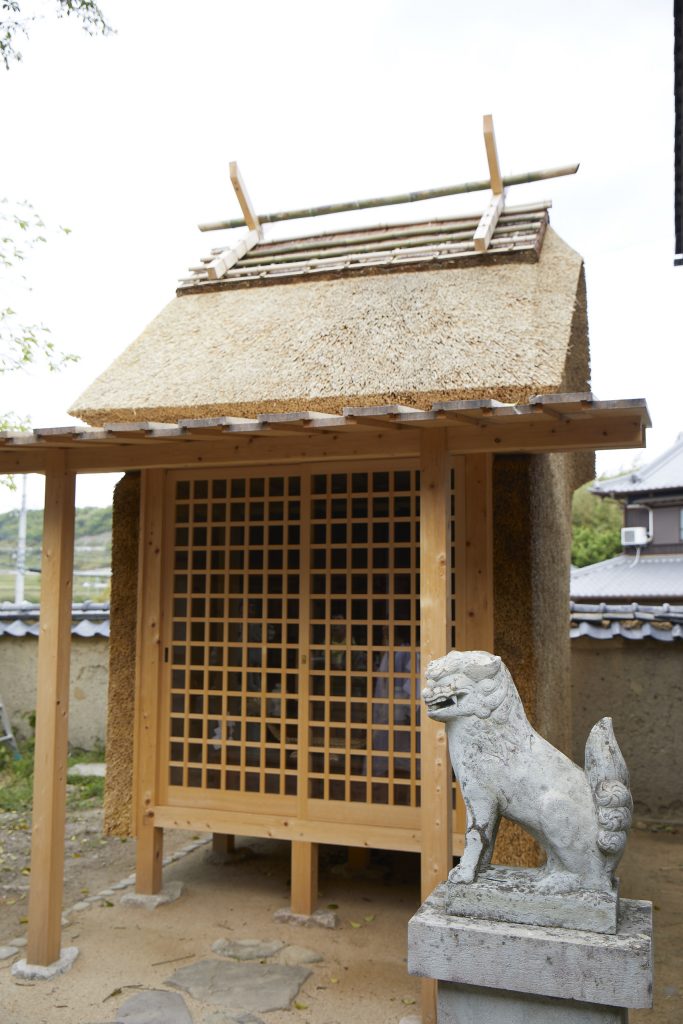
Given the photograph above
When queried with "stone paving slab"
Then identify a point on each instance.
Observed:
(319, 919)
(231, 1017)
(247, 949)
(299, 955)
(154, 1007)
(250, 986)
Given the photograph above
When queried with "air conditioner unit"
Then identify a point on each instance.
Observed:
(634, 536)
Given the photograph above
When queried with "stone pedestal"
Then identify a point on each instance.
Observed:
(505, 973)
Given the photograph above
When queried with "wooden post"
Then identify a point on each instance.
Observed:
(358, 859)
(52, 719)
(222, 846)
(304, 877)
(435, 568)
(474, 552)
(149, 852)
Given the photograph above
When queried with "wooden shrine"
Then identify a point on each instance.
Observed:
(360, 452)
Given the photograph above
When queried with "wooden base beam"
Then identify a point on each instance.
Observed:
(52, 721)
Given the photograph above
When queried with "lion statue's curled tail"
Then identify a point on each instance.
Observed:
(608, 779)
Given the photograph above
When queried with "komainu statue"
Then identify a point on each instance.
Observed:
(505, 769)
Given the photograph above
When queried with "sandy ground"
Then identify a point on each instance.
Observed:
(363, 975)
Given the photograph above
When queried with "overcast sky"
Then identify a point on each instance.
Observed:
(127, 139)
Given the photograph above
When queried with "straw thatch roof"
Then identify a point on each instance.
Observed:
(506, 330)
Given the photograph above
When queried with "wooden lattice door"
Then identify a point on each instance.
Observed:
(291, 673)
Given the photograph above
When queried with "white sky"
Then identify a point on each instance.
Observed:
(127, 140)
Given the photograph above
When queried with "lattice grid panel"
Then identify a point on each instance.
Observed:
(235, 635)
(364, 620)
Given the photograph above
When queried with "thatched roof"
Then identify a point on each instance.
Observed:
(506, 328)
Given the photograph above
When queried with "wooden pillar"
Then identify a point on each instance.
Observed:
(52, 719)
(222, 846)
(474, 552)
(358, 858)
(304, 877)
(435, 569)
(149, 852)
(473, 566)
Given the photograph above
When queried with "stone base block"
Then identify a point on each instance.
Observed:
(469, 1004)
(513, 895)
(169, 894)
(37, 972)
(561, 963)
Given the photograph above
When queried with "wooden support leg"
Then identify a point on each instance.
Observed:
(358, 858)
(149, 857)
(222, 846)
(435, 570)
(52, 719)
(304, 877)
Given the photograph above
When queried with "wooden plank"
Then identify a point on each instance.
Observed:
(248, 210)
(489, 219)
(229, 257)
(149, 852)
(492, 155)
(304, 877)
(435, 615)
(52, 710)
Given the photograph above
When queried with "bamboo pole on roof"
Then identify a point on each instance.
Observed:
(396, 200)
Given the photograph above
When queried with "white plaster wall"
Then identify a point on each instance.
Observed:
(88, 689)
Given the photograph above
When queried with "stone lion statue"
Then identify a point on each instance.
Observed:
(505, 769)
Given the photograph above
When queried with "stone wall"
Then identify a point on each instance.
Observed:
(88, 689)
(639, 684)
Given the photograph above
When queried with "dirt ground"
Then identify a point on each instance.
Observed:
(363, 974)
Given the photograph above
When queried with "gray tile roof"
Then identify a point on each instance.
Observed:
(664, 474)
(650, 577)
(88, 619)
(633, 621)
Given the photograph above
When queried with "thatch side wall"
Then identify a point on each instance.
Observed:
(498, 331)
(532, 545)
(118, 796)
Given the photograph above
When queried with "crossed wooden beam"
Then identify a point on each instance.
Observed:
(482, 235)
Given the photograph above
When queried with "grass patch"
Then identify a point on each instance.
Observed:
(16, 779)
